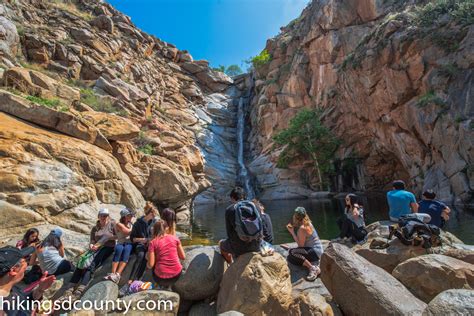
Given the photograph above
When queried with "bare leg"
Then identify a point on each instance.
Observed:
(121, 267)
(227, 256)
(114, 266)
(307, 264)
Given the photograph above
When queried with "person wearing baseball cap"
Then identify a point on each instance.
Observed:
(13, 265)
(309, 249)
(102, 243)
(50, 253)
(124, 245)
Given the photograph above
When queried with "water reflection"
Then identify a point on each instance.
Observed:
(209, 225)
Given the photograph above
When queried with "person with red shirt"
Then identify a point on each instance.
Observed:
(164, 253)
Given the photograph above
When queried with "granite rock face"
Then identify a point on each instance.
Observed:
(398, 99)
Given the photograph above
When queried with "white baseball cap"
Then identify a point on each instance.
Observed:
(103, 211)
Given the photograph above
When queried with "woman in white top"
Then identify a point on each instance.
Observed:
(124, 246)
(352, 224)
(50, 254)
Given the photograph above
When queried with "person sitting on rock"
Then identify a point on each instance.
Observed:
(102, 241)
(352, 223)
(164, 253)
(50, 254)
(13, 265)
(309, 248)
(31, 238)
(438, 211)
(234, 245)
(400, 202)
(124, 245)
(169, 216)
(266, 220)
(140, 236)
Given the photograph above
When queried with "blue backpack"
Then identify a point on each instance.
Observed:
(248, 223)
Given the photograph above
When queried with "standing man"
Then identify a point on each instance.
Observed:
(12, 270)
(438, 211)
(244, 227)
(400, 202)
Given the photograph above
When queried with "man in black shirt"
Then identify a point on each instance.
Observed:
(14, 301)
(233, 246)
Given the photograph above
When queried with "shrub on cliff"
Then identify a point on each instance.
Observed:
(306, 136)
(261, 59)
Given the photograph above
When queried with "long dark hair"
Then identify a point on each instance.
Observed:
(159, 229)
(169, 217)
(353, 199)
(27, 235)
(51, 240)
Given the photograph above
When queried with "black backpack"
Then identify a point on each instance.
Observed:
(248, 222)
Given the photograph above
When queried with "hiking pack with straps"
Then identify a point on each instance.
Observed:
(412, 230)
(248, 222)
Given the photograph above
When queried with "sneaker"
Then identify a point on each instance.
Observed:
(115, 278)
(109, 276)
(314, 271)
(68, 293)
(78, 292)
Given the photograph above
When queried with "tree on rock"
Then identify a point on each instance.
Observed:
(306, 136)
(233, 70)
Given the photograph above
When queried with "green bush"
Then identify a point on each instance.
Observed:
(260, 60)
(461, 11)
(106, 105)
(146, 149)
(430, 98)
(233, 70)
(50, 103)
(306, 136)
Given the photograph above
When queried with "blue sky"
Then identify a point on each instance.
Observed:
(221, 31)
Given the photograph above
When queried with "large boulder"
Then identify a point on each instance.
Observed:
(361, 288)
(163, 303)
(36, 83)
(51, 178)
(392, 256)
(203, 271)
(313, 304)
(100, 292)
(112, 126)
(203, 309)
(62, 122)
(396, 252)
(451, 302)
(9, 39)
(427, 276)
(256, 285)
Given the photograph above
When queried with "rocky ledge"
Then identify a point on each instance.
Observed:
(436, 281)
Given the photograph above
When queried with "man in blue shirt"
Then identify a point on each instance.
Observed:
(400, 202)
(438, 211)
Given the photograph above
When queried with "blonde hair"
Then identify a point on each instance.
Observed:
(301, 220)
(149, 207)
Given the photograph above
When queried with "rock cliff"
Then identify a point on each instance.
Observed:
(395, 81)
(95, 112)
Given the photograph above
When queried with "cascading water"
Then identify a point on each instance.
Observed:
(243, 175)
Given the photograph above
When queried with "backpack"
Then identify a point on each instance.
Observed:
(412, 230)
(248, 223)
(85, 260)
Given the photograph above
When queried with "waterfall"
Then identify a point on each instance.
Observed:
(243, 175)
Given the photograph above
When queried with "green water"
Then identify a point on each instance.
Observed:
(208, 225)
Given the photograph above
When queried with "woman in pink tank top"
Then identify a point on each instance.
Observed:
(164, 253)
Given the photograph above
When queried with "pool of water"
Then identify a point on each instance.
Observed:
(208, 225)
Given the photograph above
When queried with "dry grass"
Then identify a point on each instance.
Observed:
(71, 7)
